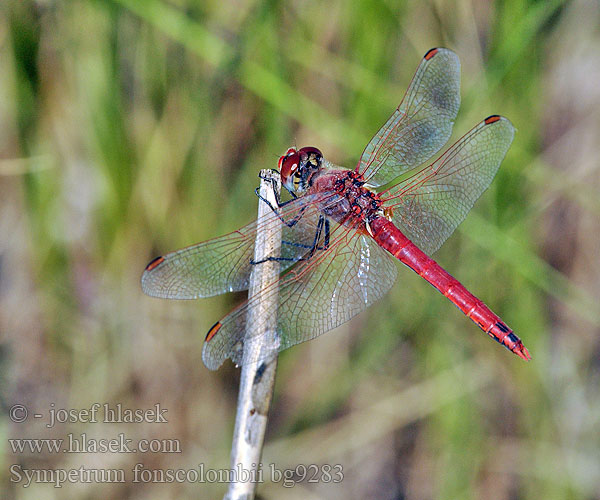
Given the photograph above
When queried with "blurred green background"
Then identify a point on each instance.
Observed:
(132, 128)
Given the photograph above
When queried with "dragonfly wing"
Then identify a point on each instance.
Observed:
(430, 205)
(223, 264)
(314, 297)
(421, 125)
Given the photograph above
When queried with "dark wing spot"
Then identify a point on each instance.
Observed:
(492, 119)
(213, 331)
(430, 54)
(155, 263)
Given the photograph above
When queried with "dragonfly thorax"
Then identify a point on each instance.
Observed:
(297, 168)
(354, 204)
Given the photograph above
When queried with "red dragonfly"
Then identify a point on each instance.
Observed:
(340, 233)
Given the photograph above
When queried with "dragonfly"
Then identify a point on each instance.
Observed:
(343, 229)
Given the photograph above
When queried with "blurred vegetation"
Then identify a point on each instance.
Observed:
(130, 128)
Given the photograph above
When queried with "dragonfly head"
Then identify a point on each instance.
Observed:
(297, 167)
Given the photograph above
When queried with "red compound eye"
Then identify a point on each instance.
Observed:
(310, 149)
(288, 164)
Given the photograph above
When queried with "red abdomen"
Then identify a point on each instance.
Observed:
(389, 237)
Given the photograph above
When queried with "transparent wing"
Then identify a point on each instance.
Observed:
(314, 297)
(421, 125)
(429, 205)
(223, 264)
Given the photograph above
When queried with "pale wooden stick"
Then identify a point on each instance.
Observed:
(257, 379)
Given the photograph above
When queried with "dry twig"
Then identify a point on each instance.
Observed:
(257, 379)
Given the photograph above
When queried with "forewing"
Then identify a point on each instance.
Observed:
(223, 264)
(431, 204)
(421, 125)
(314, 297)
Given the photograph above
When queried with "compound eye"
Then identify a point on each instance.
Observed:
(288, 164)
(309, 151)
(289, 152)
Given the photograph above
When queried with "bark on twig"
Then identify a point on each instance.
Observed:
(257, 379)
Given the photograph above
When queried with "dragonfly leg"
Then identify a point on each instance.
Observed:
(288, 223)
(323, 229)
(277, 197)
(314, 246)
(269, 178)
(322, 226)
